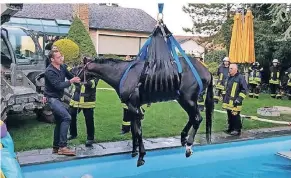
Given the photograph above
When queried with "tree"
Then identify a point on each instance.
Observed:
(81, 37)
(207, 18)
(282, 19)
(267, 47)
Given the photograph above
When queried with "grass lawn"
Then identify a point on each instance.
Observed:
(162, 119)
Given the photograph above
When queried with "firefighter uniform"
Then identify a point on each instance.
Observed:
(219, 87)
(236, 91)
(84, 97)
(275, 80)
(254, 80)
(288, 82)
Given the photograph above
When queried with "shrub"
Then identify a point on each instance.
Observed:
(81, 37)
(69, 49)
(113, 56)
(212, 67)
(215, 56)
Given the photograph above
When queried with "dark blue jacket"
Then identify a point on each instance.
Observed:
(55, 81)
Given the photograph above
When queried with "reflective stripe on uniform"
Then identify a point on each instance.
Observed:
(93, 83)
(125, 123)
(82, 92)
(233, 90)
(242, 95)
(77, 104)
(230, 107)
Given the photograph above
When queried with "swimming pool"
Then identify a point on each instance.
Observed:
(254, 158)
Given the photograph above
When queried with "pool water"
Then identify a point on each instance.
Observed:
(254, 158)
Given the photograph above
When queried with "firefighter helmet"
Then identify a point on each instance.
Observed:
(226, 59)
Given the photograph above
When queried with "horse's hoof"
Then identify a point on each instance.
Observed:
(140, 162)
(188, 153)
(134, 154)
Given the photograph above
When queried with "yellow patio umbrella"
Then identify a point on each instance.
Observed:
(248, 39)
(235, 50)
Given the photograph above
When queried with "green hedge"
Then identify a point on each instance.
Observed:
(69, 49)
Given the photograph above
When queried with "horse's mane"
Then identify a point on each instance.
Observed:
(101, 60)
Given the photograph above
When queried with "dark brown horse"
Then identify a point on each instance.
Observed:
(112, 71)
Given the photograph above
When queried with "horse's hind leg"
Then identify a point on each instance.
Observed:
(194, 120)
(136, 122)
(184, 133)
(192, 133)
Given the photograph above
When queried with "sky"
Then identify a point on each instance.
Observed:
(174, 17)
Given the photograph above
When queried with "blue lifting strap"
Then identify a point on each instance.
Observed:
(125, 74)
(176, 58)
(161, 7)
(143, 51)
(194, 71)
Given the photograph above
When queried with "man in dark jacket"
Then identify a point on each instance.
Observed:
(236, 91)
(275, 80)
(55, 84)
(84, 98)
(222, 74)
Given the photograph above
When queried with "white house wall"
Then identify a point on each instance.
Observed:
(191, 47)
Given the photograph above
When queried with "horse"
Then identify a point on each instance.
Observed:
(112, 71)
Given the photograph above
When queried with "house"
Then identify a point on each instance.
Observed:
(113, 30)
(191, 45)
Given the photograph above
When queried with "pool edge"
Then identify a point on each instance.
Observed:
(43, 156)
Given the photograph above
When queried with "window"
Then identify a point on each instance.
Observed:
(49, 22)
(5, 55)
(23, 46)
(17, 20)
(33, 21)
(63, 22)
(35, 27)
(50, 29)
(64, 30)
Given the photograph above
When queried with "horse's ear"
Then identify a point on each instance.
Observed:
(87, 59)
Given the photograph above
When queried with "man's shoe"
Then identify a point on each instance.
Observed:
(89, 143)
(72, 137)
(55, 150)
(66, 151)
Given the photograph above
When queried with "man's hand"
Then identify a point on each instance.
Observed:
(44, 100)
(75, 80)
(236, 103)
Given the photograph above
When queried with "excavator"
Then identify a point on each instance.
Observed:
(22, 60)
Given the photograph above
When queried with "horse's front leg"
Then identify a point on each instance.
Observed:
(138, 133)
(134, 151)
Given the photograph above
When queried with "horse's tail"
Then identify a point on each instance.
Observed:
(209, 104)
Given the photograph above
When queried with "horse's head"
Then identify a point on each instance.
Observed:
(81, 70)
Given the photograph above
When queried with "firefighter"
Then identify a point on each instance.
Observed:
(255, 80)
(236, 91)
(125, 127)
(84, 97)
(275, 80)
(222, 74)
(287, 82)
